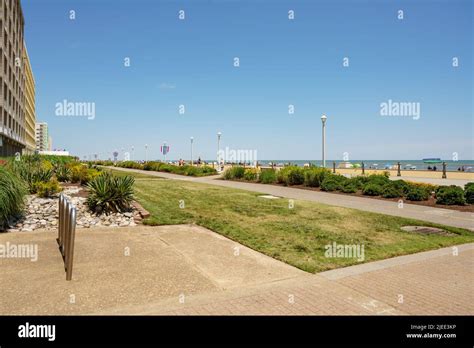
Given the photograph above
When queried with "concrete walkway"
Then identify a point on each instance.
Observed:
(186, 269)
(430, 283)
(437, 215)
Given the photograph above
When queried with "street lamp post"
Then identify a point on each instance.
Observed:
(146, 152)
(219, 134)
(133, 150)
(192, 140)
(323, 120)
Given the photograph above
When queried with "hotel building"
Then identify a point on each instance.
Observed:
(15, 128)
(30, 113)
(42, 136)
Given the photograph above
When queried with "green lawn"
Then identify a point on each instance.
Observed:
(297, 236)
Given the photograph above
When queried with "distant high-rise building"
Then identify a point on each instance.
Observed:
(12, 78)
(42, 136)
(30, 113)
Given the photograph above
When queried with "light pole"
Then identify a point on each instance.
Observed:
(146, 152)
(192, 140)
(219, 134)
(133, 150)
(323, 120)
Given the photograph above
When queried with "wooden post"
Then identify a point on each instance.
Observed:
(334, 167)
(398, 171)
(444, 170)
(363, 168)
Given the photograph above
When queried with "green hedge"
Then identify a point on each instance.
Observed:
(450, 195)
(372, 189)
(469, 192)
(390, 190)
(333, 183)
(370, 185)
(155, 166)
(417, 194)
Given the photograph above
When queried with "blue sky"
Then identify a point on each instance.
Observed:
(282, 62)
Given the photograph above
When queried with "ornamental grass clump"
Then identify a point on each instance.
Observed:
(110, 194)
(234, 173)
(12, 194)
(267, 176)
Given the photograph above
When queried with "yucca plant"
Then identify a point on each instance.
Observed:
(108, 193)
(12, 193)
(63, 173)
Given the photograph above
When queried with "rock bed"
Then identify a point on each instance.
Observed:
(42, 213)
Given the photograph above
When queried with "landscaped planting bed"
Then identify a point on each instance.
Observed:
(30, 188)
(296, 233)
(156, 166)
(377, 186)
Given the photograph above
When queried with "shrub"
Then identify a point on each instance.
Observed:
(291, 175)
(194, 171)
(108, 193)
(12, 193)
(48, 189)
(378, 179)
(401, 186)
(82, 175)
(333, 182)
(349, 187)
(108, 163)
(238, 172)
(282, 175)
(32, 173)
(153, 166)
(234, 173)
(250, 174)
(417, 194)
(429, 188)
(295, 176)
(267, 176)
(63, 173)
(391, 191)
(314, 176)
(130, 164)
(77, 171)
(469, 192)
(450, 195)
(360, 181)
(206, 170)
(372, 189)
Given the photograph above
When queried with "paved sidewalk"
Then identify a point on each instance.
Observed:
(437, 215)
(434, 282)
(186, 269)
